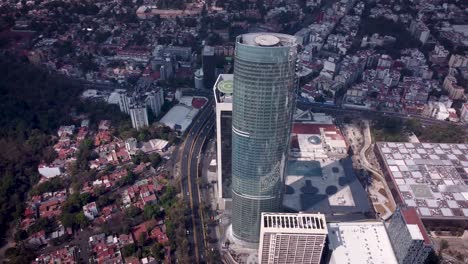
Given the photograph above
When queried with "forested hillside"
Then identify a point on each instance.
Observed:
(33, 104)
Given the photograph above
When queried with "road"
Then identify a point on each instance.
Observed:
(366, 113)
(202, 127)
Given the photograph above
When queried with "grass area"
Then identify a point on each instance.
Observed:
(398, 130)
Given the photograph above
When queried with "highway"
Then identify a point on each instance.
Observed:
(366, 113)
(201, 129)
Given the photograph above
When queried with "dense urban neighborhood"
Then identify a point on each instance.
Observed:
(121, 142)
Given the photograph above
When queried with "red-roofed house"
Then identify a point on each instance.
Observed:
(65, 255)
(158, 234)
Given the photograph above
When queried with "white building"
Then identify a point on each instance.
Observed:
(155, 100)
(437, 110)
(49, 171)
(131, 145)
(360, 242)
(287, 238)
(139, 116)
(66, 130)
(223, 95)
(90, 211)
(464, 113)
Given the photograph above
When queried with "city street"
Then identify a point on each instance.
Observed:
(367, 113)
(201, 129)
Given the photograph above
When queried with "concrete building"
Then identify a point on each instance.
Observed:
(181, 53)
(155, 100)
(420, 31)
(437, 110)
(450, 85)
(124, 102)
(199, 79)
(90, 211)
(287, 238)
(131, 145)
(408, 236)
(360, 242)
(263, 103)
(458, 61)
(223, 89)
(139, 116)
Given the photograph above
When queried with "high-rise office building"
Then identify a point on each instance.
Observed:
(223, 96)
(292, 238)
(263, 102)
(208, 66)
(408, 236)
(139, 116)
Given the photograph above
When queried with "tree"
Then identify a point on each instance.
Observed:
(129, 179)
(81, 220)
(149, 211)
(155, 159)
(443, 246)
(51, 185)
(347, 120)
(129, 250)
(319, 99)
(142, 239)
(158, 252)
(132, 211)
(30, 97)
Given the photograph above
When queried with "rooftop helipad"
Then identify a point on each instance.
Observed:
(225, 86)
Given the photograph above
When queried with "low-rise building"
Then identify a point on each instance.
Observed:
(360, 242)
(450, 85)
(90, 210)
(66, 254)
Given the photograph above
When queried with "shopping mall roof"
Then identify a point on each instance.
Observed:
(431, 177)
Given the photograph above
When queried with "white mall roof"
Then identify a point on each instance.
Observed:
(360, 243)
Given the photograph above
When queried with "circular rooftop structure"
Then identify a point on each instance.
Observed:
(314, 140)
(267, 40)
(225, 86)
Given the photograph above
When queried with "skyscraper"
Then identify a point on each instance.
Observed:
(292, 238)
(208, 66)
(263, 98)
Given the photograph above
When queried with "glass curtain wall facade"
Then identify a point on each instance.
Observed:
(263, 104)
